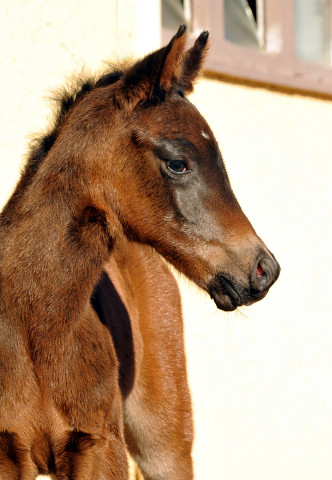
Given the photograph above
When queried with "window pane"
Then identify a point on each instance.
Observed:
(312, 31)
(240, 23)
(175, 13)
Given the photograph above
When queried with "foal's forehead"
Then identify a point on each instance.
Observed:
(178, 116)
(174, 128)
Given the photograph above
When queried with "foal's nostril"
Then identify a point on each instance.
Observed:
(259, 270)
(265, 273)
(260, 277)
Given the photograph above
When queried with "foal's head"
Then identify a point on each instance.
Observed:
(157, 173)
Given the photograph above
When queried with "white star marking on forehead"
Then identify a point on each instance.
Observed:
(205, 135)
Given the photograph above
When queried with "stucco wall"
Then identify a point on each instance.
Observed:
(260, 377)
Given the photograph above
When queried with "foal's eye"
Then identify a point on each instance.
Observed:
(177, 166)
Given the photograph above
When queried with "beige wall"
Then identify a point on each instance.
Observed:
(260, 377)
(42, 42)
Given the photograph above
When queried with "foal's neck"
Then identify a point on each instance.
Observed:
(55, 243)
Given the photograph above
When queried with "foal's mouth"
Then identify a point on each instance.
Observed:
(228, 295)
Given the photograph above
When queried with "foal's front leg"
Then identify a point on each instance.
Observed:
(95, 456)
(89, 458)
(159, 440)
(92, 445)
(157, 412)
(15, 458)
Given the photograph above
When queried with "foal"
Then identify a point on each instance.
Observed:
(130, 164)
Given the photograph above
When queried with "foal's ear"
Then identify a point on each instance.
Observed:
(193, 62)
(157, 73)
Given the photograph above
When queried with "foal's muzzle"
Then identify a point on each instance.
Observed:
(228, 293)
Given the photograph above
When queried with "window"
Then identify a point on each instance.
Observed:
(313, 16)
(284, 42)
(175, 13)
(241, 23)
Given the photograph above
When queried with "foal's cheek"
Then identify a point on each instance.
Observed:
(189, 201)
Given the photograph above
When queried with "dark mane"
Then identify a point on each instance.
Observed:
(64, 99)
